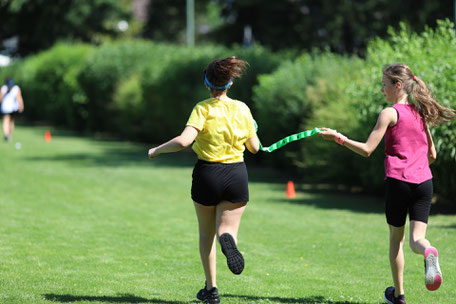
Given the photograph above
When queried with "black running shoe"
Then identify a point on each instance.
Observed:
(391, 299)
(208, 296)
(234, 258)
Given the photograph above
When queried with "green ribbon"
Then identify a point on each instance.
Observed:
(286, 140)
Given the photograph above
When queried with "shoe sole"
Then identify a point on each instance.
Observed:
(386, 300)
(433, 275)
(234, 258)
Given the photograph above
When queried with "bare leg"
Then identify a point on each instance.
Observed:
(229, 217)
(228, 220)
(396, 256)
(418, 241)
(206, 225)
(420, 245)
(6, 125)
(11, 127)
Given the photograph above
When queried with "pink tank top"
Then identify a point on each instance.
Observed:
(406, 147)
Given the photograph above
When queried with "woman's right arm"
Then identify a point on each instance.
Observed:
(176, 144)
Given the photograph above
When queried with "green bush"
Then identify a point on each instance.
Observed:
(106, 68)
(49, 85)
(304, 94)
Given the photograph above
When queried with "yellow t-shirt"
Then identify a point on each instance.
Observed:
(224, 127)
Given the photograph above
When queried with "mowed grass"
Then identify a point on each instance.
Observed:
(94, 221)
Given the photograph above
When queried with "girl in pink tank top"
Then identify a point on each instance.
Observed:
(409, 150)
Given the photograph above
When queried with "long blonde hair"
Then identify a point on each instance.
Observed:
(419, 94)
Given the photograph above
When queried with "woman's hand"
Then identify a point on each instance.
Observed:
(153, 153)
(328, 134)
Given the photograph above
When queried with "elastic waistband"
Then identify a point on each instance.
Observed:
(204, 162)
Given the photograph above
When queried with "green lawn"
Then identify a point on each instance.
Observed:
(94, 221)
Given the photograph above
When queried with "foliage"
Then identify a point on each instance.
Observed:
(166, 20)
(344, 26)
(38, 24)
(109, 65)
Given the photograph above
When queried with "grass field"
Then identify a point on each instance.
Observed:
(94, 221)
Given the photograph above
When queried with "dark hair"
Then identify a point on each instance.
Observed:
(220, 71)
(419, 94)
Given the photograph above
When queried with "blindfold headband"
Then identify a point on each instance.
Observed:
(214, 87)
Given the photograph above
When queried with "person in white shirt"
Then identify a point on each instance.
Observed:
(11, 104)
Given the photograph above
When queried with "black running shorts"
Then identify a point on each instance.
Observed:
(213, 183)
(403, 197)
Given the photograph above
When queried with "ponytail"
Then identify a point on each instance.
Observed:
(431, 111)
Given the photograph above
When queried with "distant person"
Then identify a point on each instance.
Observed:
(221, 128)
(11, 104)
(409, 150)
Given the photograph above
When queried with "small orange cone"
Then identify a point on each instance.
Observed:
(291, 190)
(47, 136)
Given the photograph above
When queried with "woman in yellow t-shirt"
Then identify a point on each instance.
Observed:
(221, 128)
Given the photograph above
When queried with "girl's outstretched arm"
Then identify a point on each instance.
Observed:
(176, 144)
(387, 117)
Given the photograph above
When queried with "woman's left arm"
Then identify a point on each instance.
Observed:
(176, 144)
(387, 117)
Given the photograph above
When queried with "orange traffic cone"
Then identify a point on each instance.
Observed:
(47, 136)
(291, 190)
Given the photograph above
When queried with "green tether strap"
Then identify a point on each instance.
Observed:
(286, 140)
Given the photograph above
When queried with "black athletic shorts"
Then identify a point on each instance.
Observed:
(403, 197)
(12, 114)
(213, 183)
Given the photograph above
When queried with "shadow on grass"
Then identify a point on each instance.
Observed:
(309, 300)
(115, 157)
(453, 226)
(356, 203)
(123, 298)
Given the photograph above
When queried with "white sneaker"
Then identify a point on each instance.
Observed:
(433, 275)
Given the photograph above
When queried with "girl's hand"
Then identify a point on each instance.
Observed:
(328, 134)
(153, 153)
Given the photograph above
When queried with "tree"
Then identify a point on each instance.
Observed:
(344, 26)
(166, 19)
(38, 24)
